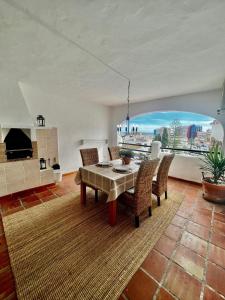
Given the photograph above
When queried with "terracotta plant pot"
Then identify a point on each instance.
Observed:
(213, 192)
(126, 160)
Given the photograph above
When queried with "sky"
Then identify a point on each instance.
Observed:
(149, 122)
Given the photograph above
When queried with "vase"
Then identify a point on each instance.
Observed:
(213, 192)
(126, 160)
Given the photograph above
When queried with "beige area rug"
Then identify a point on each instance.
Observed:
(60, 250)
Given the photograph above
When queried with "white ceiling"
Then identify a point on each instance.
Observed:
(166, 47)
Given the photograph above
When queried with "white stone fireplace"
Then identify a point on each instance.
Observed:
(21, 171)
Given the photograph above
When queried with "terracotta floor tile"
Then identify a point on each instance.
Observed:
(29, 199)
(44, 194)
(190, 201)
(164, 295)
(59, 191)
(173, 232)
(219, 217)
(5, 198)
(3, 244)
(194, 243)
(25, 193)
(184, 213)
(219, 227)
(140, 287)
(217, 255)
(215, 277)
(218, 240)
(1, 227)
(32, 203)
(7, 205)
(185, 207)
(181, 284)
(4, 259)
(15, 196)
(204, 204)
(178, 221)
(48, 198)
(12, 211)
(199, 230)
(165, 245)
(211, 295)
(201, 219)
(220, 208)
(12, 296)
(203, 212)
(155, 264)
(7, 283)
(190, 261)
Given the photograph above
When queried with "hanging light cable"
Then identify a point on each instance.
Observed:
(63, 36)
(128, 108)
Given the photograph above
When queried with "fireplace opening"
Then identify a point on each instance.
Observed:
(18, 145)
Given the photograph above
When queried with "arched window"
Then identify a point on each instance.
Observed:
(181, 130)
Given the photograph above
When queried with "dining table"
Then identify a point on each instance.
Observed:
(109, 180)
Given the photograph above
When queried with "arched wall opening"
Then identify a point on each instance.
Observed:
(193, 130)
(205, 103)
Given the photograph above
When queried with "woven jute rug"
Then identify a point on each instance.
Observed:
(60, 250)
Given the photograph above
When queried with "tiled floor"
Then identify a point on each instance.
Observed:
(188, 262)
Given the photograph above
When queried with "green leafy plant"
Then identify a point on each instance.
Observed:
(126, 153)
(214, 163)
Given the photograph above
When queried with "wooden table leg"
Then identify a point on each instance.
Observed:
(112, 212)
(83, 193)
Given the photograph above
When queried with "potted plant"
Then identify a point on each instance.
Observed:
(57, 172)
(126, 155)
(214, 183)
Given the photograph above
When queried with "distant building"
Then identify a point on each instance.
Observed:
(159, 131)
(192, 131)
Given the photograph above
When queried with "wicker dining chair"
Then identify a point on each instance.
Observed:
(90, 157)
(114, 152)
(139, 198)
(159, 186)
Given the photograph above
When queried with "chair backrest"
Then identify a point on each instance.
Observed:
(89, 156)
(162, 174)
(114, 152)
(143, 186)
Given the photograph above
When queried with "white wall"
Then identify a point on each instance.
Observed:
(75, 120)
(186, 167)
(205, 103)
(13, 109)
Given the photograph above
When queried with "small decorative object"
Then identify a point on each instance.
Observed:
(56, 166)
(42, 163)
(56, 171)
(126, 155)
(214, 183)
(40, 121)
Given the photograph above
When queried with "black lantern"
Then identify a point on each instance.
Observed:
(40, 121)
(42, 163)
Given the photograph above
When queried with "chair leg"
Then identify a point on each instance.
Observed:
(165, 194)
(137, 223)
(150, 211)
(96, 195)
(158, 200)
